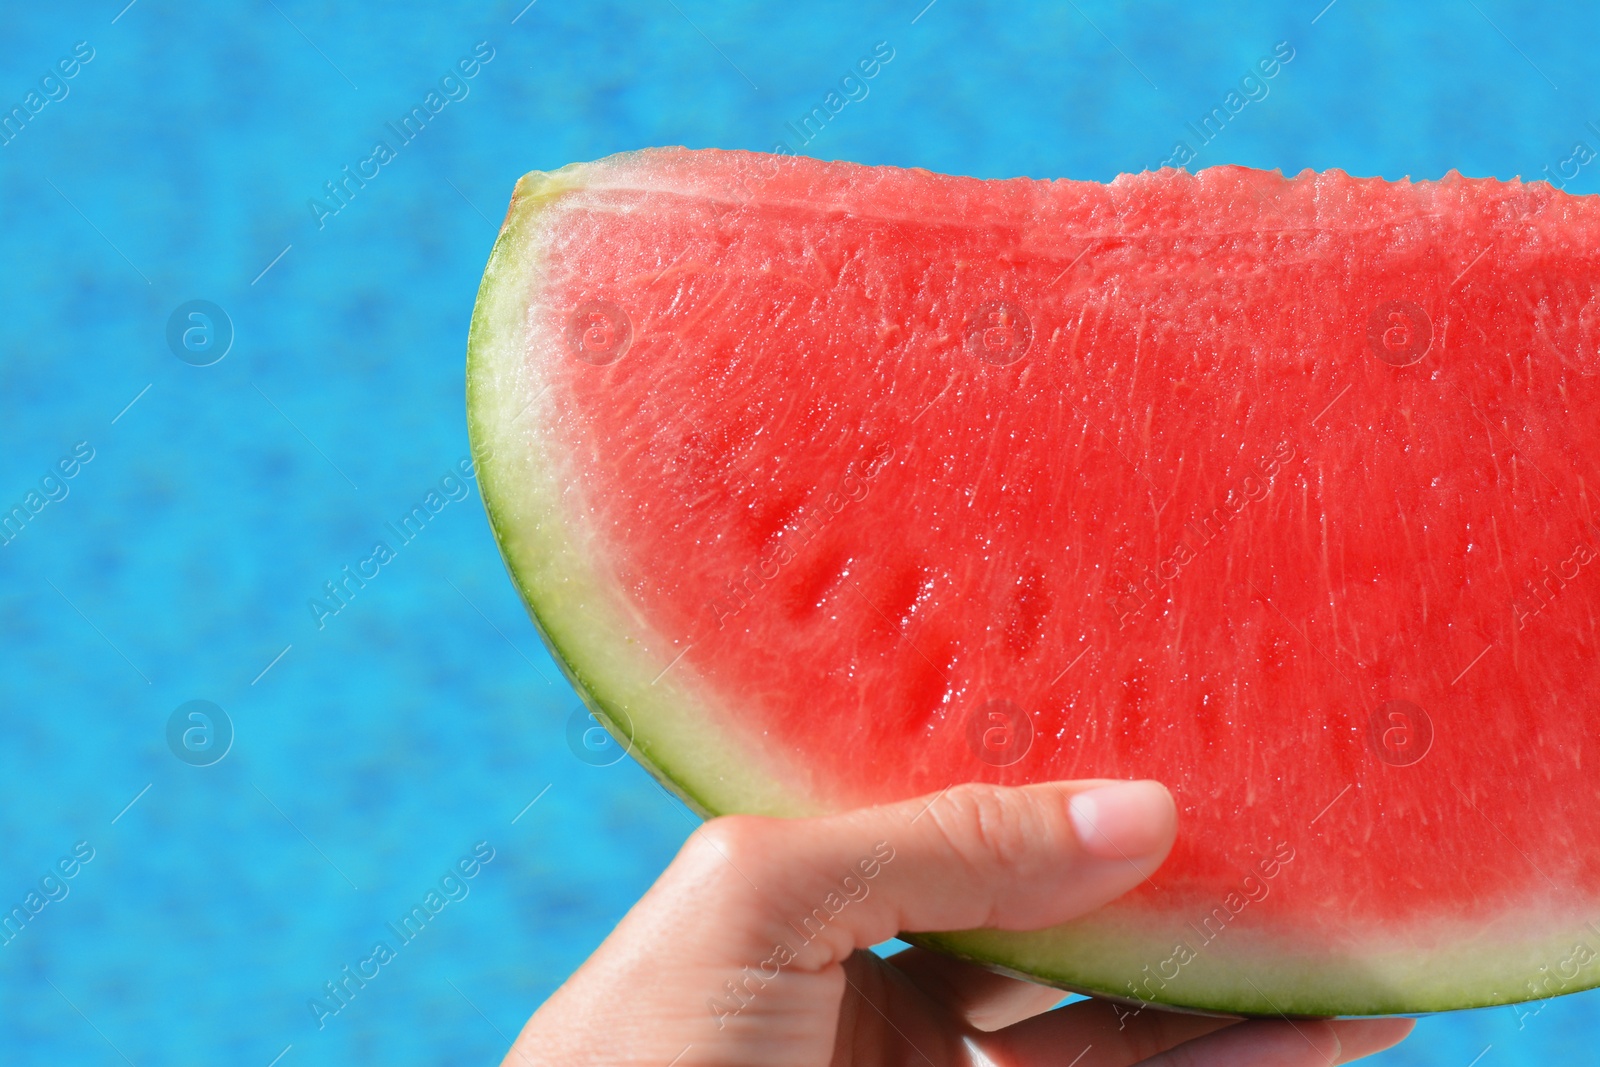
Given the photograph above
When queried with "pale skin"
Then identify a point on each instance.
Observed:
(656, 992)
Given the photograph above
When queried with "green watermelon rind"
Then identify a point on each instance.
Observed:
(557, 583)
(615, 664)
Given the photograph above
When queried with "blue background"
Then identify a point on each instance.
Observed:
(422, 718)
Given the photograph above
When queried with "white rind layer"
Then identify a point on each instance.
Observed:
(622, 668)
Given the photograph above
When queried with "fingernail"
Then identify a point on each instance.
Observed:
(1123, 821)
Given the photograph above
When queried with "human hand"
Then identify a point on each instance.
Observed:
(750, 948)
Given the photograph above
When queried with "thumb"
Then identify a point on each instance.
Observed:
(1012, 858)
(740, 944)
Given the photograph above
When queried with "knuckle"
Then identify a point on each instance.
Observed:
(985, 826)
(736, 838)
(733, 850)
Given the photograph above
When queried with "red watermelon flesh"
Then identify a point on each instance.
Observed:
(832, 485)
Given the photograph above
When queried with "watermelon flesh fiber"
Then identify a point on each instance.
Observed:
(831, 485)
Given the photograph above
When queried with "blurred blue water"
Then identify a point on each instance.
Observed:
(372, 754)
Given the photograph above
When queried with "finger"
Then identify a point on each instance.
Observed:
(1017, 858)
(983, 998)
(1115, 1035)
(1361, 1038)
(990, 1001)
(1128, 1034)
(745, 933)
(1107, 1034)
(1257, 1043)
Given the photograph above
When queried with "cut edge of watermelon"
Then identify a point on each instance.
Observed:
(577, 612)
(658, 713)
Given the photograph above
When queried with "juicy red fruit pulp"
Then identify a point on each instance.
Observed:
(1274, 490)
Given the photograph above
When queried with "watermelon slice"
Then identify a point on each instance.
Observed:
(832, 485)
